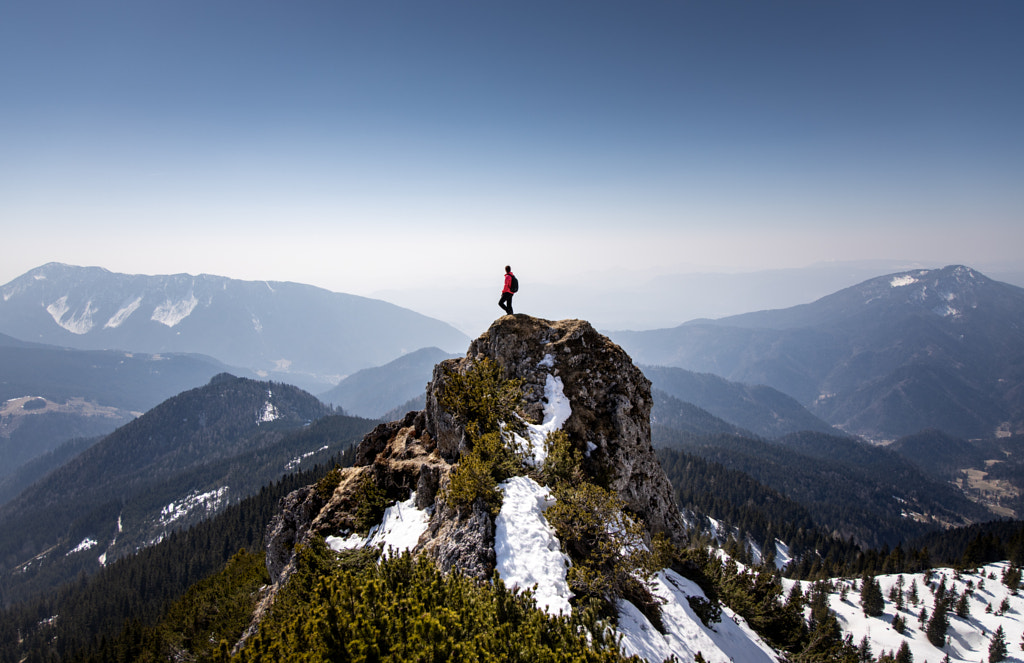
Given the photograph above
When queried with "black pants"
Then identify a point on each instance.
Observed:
(506, 302)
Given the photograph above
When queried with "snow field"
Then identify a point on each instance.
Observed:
(967, 638)
(728, 640)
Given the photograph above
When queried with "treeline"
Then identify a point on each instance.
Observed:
(848, 488)
(762, 515)
(735, 498)
(133, 592)
(961, 547)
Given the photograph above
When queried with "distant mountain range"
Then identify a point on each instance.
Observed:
(887, 358)
(373, 392)
(761, 410)
(49, 395)
(285, 331)
(182, 461)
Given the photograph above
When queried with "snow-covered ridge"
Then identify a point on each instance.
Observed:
(685, 635)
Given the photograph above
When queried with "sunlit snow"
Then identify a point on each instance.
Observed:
(295, 462)
(398, 531)
(76, 324)
(209, 502)
(968, 637)
(899, 281)
(685, 635)
(118, 318)
(171, 313)
(86, 544)
(528, 552)
(556, 412)
(269, 412)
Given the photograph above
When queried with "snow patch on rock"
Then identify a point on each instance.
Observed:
(902, 280)
(527, 550)
(86, 544)
(557, 411)
(399, 530)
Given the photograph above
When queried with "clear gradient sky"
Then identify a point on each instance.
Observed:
(361, 146)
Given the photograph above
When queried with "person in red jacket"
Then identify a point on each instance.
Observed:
(511, 285)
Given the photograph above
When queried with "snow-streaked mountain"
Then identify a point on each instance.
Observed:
(185, 459)
(889, 357)
(288, 331)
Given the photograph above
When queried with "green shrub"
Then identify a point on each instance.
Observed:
(610, 560)
(326, 485)
(471, 480)
(482, 400)
(405, 609)
(371, 502)
(563, 463)
(487, 406)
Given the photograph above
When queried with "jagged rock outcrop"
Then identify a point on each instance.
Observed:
(609, 423)
(610, 398)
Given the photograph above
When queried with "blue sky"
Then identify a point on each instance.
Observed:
(371, 146)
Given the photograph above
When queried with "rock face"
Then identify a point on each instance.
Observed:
(610, 424)
(610, 399)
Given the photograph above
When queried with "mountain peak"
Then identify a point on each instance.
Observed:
(572, 380)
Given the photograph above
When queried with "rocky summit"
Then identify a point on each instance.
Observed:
(606, 404)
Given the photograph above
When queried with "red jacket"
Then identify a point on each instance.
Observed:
(508, 283)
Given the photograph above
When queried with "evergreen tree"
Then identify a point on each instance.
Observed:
(871, 600)
(864, 651)
(903, 654)
(1012, 577)
(937, 626)
(963, 607)
(819, 602)
(795, 600)
(997, 646)
(914, 598)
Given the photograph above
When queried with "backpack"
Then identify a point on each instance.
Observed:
(514, 285)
